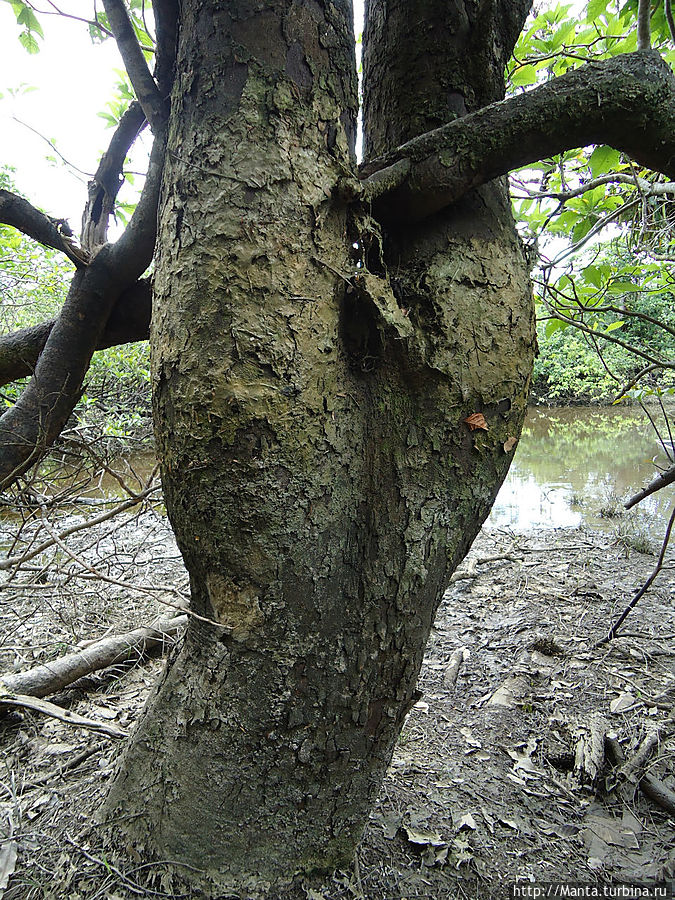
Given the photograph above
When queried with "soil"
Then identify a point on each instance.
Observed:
(499, 777)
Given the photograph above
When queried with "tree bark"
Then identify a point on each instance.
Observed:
(311, 379)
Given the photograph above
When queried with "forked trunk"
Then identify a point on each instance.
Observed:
(311, 382)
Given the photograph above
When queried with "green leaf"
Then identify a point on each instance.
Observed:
(614, 326)
(603, 159)
(554, 325)
(28, 42)
(595, 9)
(28, 18)
(592, 275)
(524, 75)
(622, 287)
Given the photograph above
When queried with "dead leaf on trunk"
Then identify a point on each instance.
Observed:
(509, 444)
(476, 421)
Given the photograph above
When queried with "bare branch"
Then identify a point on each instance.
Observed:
(50, 232)
(648, 188)
(614, 630)
(144, 84)
(37, 418)
(627, 102)
(105, 185)
(129, 321)
(661, 481)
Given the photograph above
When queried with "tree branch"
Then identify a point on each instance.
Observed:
(129, 321)
(167, 13)
(143, 83)
(107, 181)
(627, 102)
(644, 36)
(661, 481)
(37, 418)
(56, 233)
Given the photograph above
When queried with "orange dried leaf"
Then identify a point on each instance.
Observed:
(509, 444)
(475, 421)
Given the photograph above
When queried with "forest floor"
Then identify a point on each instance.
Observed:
(498, 776)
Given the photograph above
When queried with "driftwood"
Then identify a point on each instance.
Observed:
(59, 673)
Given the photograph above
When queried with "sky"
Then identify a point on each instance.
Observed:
(71, 80)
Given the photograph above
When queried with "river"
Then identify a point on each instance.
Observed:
(575, 466)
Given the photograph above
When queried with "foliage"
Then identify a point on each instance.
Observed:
(599, 227)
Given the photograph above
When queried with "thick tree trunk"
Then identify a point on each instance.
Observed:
(312, 378)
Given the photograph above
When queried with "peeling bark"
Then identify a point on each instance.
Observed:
(309, 413)
(627, 102)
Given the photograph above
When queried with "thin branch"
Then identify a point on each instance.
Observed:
(144, 84)
(55, 11)
(53, 146)
(14, 562)
(50, 232)
(661, 363)
(647, 187)
(627, 102)
(106, 183)
(662, 480)
(613, 631)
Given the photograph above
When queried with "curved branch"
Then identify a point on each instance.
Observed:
(661, 481)
(56, 233)
(627, 102)
(105, 185)
(144, 84)
(129, 321)
(39, 415)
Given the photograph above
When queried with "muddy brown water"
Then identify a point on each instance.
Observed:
(575, 466)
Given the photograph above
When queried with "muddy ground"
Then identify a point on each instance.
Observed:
(482, 790)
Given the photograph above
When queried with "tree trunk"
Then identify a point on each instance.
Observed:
(312, 378)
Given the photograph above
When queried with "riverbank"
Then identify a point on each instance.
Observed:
(482, 788)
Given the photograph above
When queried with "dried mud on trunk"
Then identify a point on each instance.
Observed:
(482, 789)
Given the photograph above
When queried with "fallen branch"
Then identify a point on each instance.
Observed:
(651, 787)
(63, 715)
(54, 676)
(455, 664)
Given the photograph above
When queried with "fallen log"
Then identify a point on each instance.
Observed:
(52, 677)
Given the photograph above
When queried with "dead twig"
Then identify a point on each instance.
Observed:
(645, 587)
(35, 704)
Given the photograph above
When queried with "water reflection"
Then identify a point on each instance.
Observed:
(574, 466)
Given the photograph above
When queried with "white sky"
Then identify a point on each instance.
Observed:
(73, 80)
